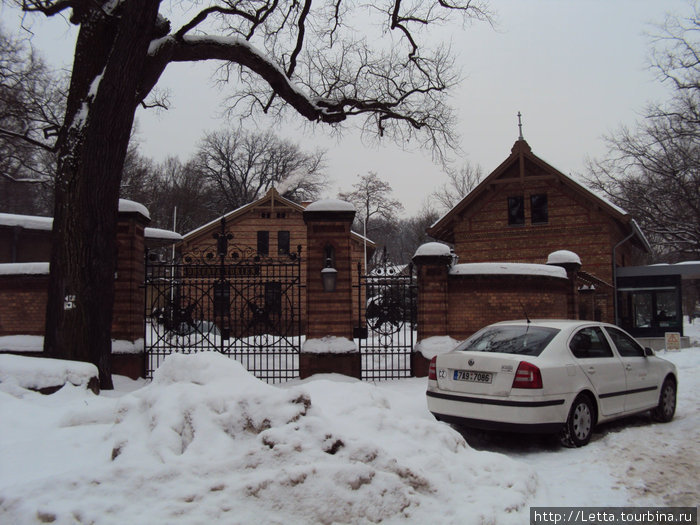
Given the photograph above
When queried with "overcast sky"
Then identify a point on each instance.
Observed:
(576, 69)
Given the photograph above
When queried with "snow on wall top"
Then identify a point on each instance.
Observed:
(563, 257)
(508, 269)
(26, 268)
(30, 222)
(330, 205)
(432, 249)
(157, 233)
(127, 206)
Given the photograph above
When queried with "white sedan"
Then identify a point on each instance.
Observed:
(549, 377)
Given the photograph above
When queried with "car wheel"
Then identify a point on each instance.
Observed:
(667, 402)
(578, 428)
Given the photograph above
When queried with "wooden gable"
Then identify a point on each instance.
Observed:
(523, 171)
(574, 218)
(273, 214)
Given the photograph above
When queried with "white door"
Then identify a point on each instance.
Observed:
(602, 367)
(642, 377)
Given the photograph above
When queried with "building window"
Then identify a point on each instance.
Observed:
(282, 242)
(538, 208)
(263, 243)
(516, 211)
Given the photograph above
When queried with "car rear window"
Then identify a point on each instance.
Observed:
(521, 340)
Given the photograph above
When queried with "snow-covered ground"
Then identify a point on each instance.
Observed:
(206, 442)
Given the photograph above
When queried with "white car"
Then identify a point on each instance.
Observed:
(549, 377)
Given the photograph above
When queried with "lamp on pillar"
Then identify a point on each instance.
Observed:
(329, 276)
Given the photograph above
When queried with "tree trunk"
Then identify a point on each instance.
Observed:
(108, 65)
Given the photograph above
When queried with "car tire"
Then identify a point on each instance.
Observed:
(667, 402)
(578, 428)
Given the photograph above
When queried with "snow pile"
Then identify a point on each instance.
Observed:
(120, 346)
(436, 345)
(36, 373)
(329, 345)
(206, 442)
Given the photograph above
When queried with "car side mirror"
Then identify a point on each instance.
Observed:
(648, 352)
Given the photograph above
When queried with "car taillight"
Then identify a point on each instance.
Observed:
(432, 374)
(527, 376)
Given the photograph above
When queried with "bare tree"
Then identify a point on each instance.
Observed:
(243, 166)
(460, 182)
(402, 237)
(303, 56)
(376, 210)
(653, 171)
(31, 103)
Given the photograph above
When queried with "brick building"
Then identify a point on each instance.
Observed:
(526, 209)
(272, 226)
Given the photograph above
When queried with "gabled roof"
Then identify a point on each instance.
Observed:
(271, 198)
(521, 155)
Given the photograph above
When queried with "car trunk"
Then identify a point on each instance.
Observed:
(477, 372)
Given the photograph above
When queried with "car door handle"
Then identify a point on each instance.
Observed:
(628, 367)
(591, 370)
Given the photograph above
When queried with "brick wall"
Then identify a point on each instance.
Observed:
(329, 313)
(460, 304)
(23, 304)
(23, 297)
(477, 301)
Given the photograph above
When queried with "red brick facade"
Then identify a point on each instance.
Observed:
(23, 304)
(272, 214)
(23, 297)
(330, 313)
(573, 219)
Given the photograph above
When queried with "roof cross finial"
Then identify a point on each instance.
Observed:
(520, 126)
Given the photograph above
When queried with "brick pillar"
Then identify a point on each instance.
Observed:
(572, 264)
(129, 299)
(433, 261)
(329, 347)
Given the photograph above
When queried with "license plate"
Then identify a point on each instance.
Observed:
(473, 377)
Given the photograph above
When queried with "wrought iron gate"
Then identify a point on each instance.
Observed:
(227, 299)
(386, 321)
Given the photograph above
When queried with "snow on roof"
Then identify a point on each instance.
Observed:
(157, 233)
(30, 222)
(432, 249)
(508, 269)
(563, 257)
(128, 206)
(330, 205)
(36, 372)
(26, 268)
